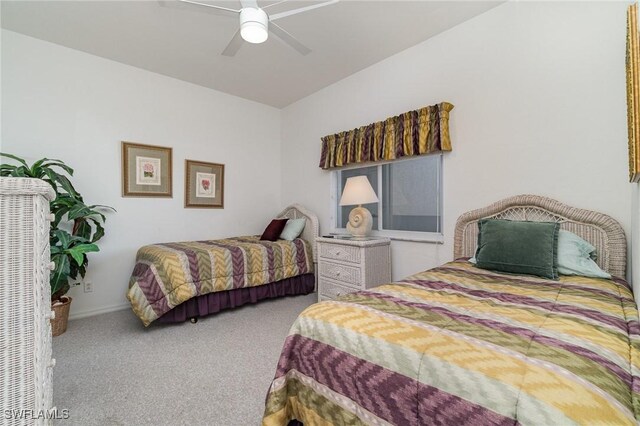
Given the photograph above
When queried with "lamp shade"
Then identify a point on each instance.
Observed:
(358, 190)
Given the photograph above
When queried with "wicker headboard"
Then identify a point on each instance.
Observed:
(312, 228)
(602, 231)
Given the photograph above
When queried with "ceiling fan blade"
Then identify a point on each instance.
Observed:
(204, 7)
(300, 10)
(234, 45)
(288, 39)
(273, 4)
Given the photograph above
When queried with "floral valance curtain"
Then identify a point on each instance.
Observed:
(423, 131)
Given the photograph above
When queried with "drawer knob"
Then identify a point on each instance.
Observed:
(338, 253)
(52, 266)
(338, 273)
(338, 294)
(51, 315)
(52, 217)
(52, 363)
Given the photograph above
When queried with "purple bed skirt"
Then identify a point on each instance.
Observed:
(211, 303)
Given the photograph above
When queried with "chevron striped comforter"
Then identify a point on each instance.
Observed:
(456, 345)
(166, 275)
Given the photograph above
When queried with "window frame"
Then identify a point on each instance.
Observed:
(416, 236)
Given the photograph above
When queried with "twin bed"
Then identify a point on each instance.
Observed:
(172, 282)
(452, 345)
(463, 345)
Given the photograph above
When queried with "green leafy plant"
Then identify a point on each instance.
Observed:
(77, 226)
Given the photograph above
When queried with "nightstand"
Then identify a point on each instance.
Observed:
(350, 265)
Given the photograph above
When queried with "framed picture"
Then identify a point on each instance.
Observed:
(633, 93)
(204, 185)
(146, 170)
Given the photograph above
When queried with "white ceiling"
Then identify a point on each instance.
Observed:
(186, 44)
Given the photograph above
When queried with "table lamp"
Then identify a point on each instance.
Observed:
(358, 191)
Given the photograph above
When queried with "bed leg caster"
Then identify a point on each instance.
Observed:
(193, 320)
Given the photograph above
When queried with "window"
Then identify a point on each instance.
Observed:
(409, 193)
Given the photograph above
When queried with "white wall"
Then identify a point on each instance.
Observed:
(634, 242)
(539, 90)
(539, 95)
(0, 86)
(61, 103)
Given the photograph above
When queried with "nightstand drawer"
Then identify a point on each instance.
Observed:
(343, 273)
(340, 252)
(332, 290)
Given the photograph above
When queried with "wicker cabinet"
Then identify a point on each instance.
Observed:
(25, 301)
(349, 265)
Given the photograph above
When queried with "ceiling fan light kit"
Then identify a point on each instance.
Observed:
(254, 25)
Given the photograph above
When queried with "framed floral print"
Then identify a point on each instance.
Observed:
(146, 170)
(204, 185)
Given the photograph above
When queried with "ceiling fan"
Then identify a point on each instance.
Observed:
(255, 23)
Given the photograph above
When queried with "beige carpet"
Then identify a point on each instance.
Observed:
(112, 371)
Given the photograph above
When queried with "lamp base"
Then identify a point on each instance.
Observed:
(360, 222)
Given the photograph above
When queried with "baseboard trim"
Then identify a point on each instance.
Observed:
(98, 311)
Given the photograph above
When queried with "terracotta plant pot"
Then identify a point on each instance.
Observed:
(59, 323)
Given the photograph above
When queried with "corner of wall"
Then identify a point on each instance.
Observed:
(633, 259)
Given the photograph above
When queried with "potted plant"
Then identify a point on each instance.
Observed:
(74, 232)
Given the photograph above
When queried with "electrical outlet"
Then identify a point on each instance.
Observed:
(88, 287)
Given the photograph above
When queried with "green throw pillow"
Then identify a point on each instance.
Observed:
(518, 247)
(293, 229)
(575, 257)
